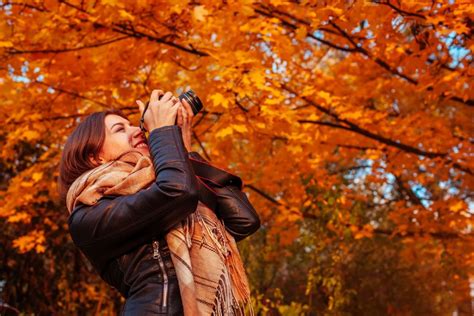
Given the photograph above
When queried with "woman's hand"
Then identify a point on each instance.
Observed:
(161, 111)
(185, 117)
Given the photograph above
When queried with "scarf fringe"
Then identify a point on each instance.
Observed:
(228, 298)
(225, 304)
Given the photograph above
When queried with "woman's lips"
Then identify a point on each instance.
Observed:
(141, 144)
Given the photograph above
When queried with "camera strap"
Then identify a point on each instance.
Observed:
(142, 119)
(214, 175)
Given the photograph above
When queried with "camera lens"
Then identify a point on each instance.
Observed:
(193, 100)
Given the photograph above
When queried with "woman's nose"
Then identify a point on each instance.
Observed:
(136, 132)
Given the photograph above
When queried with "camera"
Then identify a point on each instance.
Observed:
(192, 99)
(189, 96)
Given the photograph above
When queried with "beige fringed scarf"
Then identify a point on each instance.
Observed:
(211, 277)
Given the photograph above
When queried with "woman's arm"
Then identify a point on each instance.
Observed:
(233, 206)
(117, 224)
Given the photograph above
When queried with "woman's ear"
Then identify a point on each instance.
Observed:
(96, 161)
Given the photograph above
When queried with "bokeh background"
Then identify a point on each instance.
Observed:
(350, 122)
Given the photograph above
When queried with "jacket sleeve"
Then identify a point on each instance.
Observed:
(117, 224)
(233, 207)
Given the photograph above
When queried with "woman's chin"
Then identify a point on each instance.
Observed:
(143, 150)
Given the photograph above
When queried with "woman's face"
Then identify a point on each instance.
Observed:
(120, 137)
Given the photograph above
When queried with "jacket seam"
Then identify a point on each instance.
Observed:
(180, 146)
(123, 272)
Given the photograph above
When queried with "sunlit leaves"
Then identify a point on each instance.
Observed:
(348, 121)
(35, 240)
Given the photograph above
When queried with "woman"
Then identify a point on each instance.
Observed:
(157, 221)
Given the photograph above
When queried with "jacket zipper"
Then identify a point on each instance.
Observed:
(157, 256)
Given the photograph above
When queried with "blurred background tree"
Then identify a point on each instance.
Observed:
(351, 123)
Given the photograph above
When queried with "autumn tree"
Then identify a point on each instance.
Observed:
(350, 123)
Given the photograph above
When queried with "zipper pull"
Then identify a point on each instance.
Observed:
(156, 249)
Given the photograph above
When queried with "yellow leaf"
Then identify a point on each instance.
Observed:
(40, 248)
(457, 206)
(6, 44)
(342, 199)
(325, 96)
(25, 184)
(337, 11)
(307, 91)
(373, 154)
(31, 135)
(435, 19)
(258, 77)
(37, 176)
(225, 132)
(219, 100)
(33, 240)
(294, 216)
(353, 115)
(295, 149)
(125, 15)
(229, 130)
(247, 10)
(200, 13)
(273, 101)
(177, 8)
(19, 217)
(113, 3)
(240, 128)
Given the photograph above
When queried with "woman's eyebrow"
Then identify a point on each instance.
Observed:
(116, 124)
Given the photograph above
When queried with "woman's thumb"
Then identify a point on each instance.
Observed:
(141, 106)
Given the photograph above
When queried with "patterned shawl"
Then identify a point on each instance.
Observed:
(211, 277)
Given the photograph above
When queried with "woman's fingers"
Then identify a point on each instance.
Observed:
(155, 94)
(163, 110)
(141, 106)
(188, 108)
(180, 117)
(188, 111)
(185, 116)
(174, 100)
(166, 97)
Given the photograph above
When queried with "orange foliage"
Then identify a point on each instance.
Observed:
(369, 99)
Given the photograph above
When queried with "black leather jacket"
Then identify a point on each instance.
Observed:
(123, 236)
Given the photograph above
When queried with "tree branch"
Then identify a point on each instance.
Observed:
(24, 5)
(359, 130)
(123, 29)
(294, 27)
(14, 51)
(400, 11)
(263, 194)
(72, 93)
(269, 11)
(134, 33)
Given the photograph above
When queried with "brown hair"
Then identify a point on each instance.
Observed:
(85, 141)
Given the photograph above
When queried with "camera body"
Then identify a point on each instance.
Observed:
(189, 96)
